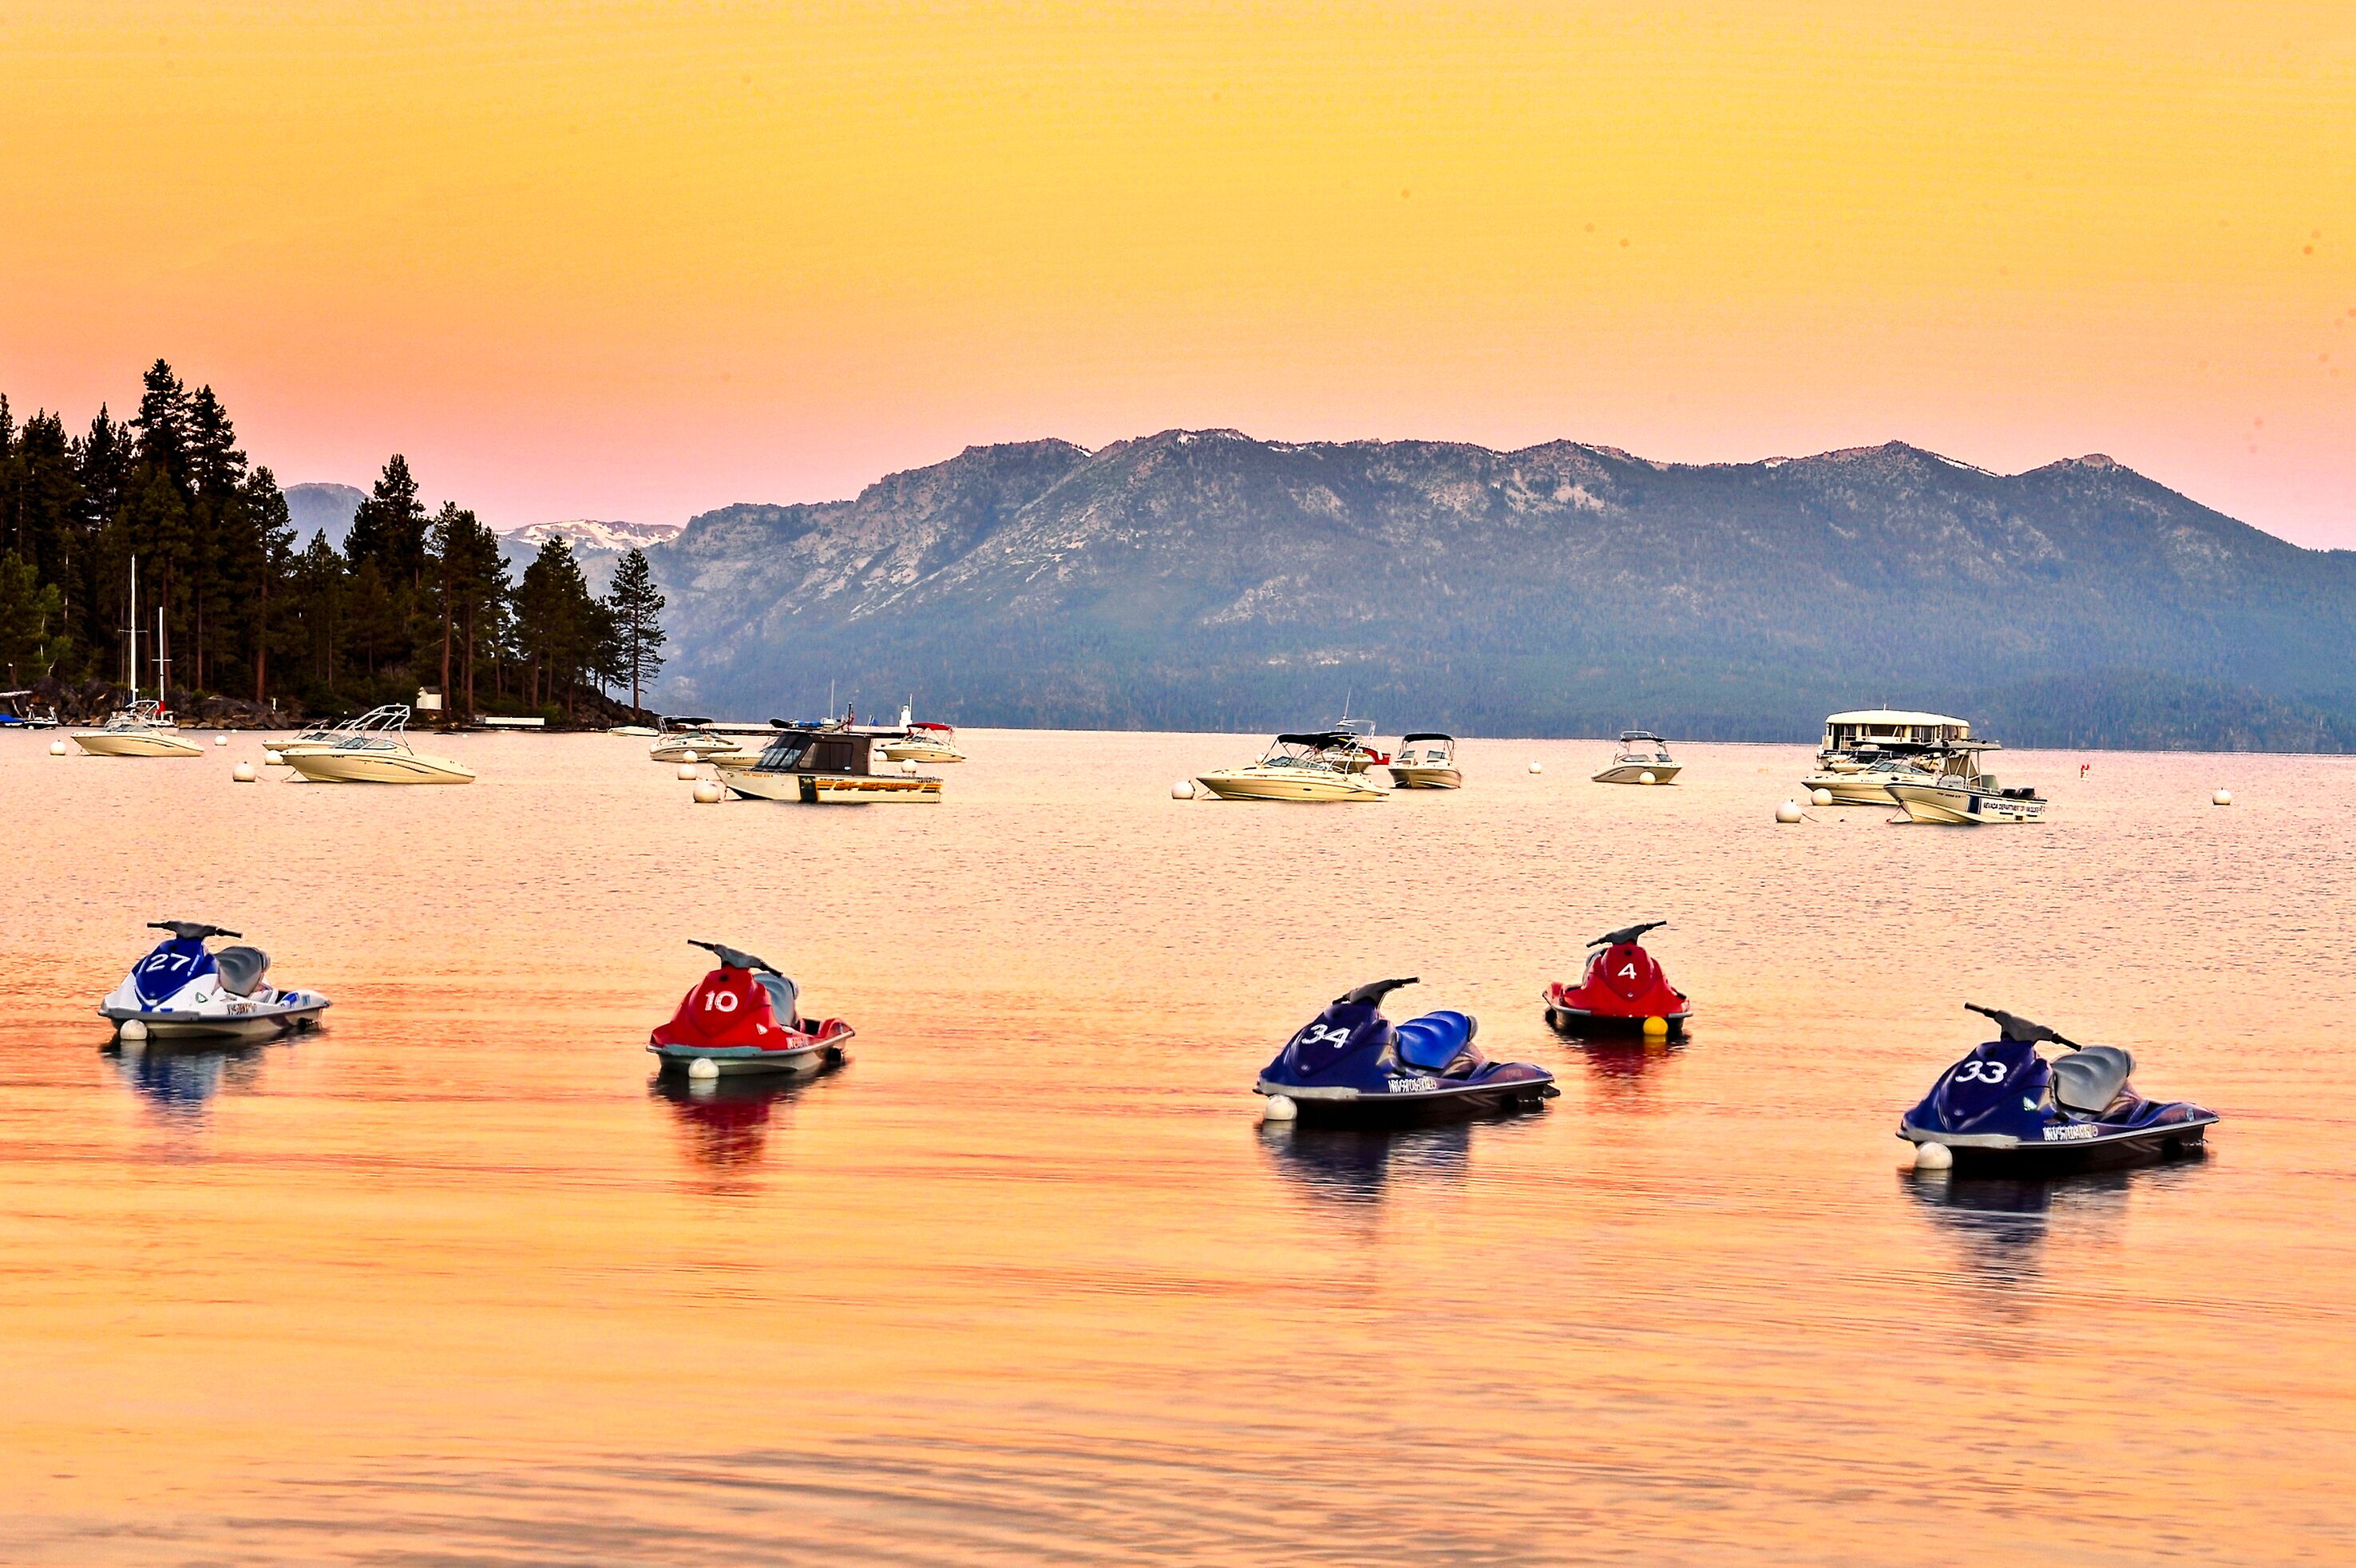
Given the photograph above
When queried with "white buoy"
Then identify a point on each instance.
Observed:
(1537, 768)
(690, 757)
(1182, 791)
(1789, 811)
(275, 758)
(909, 769)
(57, 748)
(1933, 1157)
(2221, 798)
(221, 740)
(687, 770)
(1279, 1108)
(1646, 778)
(703, 1066)
(242, 773)
(709, 792)
(132, 1030)
(1820, 797)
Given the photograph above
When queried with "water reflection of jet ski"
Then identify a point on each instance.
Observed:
(743, 1018)
(727, 1119)
(181, 1082)
(1355, 1165)
(2005, 1105)
(1351, 1061)
(1623, 989)
(181, 989)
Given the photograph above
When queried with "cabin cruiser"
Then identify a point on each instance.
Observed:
(827, 764)
(142, 729)
(1641, 758)
(694, 740)
(925, 742)
(1306, 767)
(1864, 752)
(1959, 795)
(19, 711)
(376, 751)
(1426, 761)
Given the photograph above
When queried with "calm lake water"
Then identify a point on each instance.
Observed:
(452, 1281)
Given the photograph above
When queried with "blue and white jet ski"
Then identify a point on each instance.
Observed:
(2005, 1105)
(1352, 1062)
(182, 989)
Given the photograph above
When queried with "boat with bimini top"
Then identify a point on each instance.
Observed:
(1957, 794)
(1305, 766)
(1641, 758)
(1426, 761)
(925, 742)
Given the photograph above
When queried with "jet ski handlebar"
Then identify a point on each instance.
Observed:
(191, 931)
(1372, 994)
(2016, 1027)
(1626, 934)
(731, 958)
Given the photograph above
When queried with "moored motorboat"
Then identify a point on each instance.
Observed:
(183, 989)
(142, 729)
(1352, 1063)
(744, 1017)
(1641, 758)
(2004, 1104)
(378, 753)
(1306, 767)
(1960, 795)
(827, 764)
(694, 740)
(1426, 761)
(1865, 751)
(925, 742)
(327, 737)
(19, 711)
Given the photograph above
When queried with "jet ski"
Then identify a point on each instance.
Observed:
(1623, 988)
(1351, 1061)
(183, 989)
(743, 1018)
(2005, 1105)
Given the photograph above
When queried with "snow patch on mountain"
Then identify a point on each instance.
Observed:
(590, 534)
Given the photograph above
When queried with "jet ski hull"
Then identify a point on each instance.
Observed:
(259, 1021)
(801, 1060)
(1580, 1021)
(1428, 1099)
(2080, 1146)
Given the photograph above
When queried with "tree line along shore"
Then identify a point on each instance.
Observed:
(242, 621)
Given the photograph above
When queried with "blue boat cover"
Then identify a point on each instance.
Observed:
(1432, 1041)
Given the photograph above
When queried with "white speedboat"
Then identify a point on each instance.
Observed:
(142, 729)
(1864, 780)
(1960, 795)
(924, 742)
(1641, 758)
(327, 737)
(378, 753)
(1308, 767)
(827, 764)
(694, 740)
(1426, 761)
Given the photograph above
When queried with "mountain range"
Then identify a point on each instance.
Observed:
(1204, 579)
(596, 544)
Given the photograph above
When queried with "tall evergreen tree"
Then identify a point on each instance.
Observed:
(563, 626)
(389, 528)
(637, 606)
(30, 611)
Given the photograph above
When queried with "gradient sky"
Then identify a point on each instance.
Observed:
(635, 260)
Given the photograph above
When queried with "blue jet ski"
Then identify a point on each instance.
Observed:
(1352, 1062)
(2005, 1105)
(182, 989)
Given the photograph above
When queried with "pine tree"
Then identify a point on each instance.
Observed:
(389, 528)
(636, 609)
(30, 611)
(563, 627)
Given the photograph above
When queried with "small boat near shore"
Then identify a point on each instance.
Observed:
(932, 743)
(1641, 758)
(377, 752)
(1311, 766)
(694, 740)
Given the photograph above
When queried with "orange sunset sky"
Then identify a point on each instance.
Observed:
(633, 260)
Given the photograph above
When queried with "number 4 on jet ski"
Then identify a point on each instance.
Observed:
(2005, 1105)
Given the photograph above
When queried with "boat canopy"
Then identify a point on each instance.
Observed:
(1426, 735)
(1875, 729)
(1320, 740)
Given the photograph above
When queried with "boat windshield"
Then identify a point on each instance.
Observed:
(1300, 754)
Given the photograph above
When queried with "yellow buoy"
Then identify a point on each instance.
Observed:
(1656, 1029)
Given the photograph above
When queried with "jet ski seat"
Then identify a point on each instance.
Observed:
(1431, 1042)
(242, 970)
(783, 999)
(2090, 1079)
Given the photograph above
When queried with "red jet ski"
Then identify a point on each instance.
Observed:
(743, 1017)
(1624, 986)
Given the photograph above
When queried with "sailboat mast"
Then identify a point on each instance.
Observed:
(134, 631)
